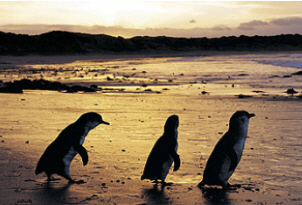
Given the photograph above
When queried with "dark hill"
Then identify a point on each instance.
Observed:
(60, 42)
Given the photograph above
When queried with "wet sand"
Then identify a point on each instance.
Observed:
(269, 172)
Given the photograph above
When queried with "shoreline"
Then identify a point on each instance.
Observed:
(11, 61)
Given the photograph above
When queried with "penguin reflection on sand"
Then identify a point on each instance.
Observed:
(59, 154)
(163, 153)
(227, 152)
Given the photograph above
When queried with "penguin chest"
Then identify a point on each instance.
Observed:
(167, 165)
(238, 147)
(82, 139)
(69, 156)
(165, 168)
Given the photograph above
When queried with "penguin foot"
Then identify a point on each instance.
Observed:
(51, 179)
(80, 182)
(76, 182)
(71, 182)
(163, 183)
(232, 187)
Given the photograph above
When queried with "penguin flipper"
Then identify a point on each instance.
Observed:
(176, 159)
(233, 157)
(83, 153)
(176, 163)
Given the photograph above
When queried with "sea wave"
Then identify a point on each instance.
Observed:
(291, 60)
(283, 63)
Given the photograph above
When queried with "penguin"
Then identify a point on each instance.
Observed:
(58, 155)
(227, 152)
(163, 153)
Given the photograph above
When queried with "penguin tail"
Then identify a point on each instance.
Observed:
(38, 171)
(40, 167)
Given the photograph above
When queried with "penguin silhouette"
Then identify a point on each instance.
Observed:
(58, 155)
(163, 153)
(227, 152)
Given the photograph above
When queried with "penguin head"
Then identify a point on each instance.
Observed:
(172, 123)
(92, 119)
(240, 120)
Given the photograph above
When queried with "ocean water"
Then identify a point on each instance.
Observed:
(282, 60)
(254, 70)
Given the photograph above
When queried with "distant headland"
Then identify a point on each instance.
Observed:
(69, 43)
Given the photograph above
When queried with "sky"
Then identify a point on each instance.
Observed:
(128, 18)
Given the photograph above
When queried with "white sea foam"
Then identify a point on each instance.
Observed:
(284, 63)
(290, 60)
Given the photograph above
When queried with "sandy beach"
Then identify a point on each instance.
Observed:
(137, 106)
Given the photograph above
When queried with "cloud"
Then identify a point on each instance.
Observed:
(255, 23)
(277, 26)
(109, 30)
(221, 28)
(288, 25)
(287, 21)
(273, 24)
(252, 24)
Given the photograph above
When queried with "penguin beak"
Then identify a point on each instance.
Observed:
(106, 123)
(251, 115)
